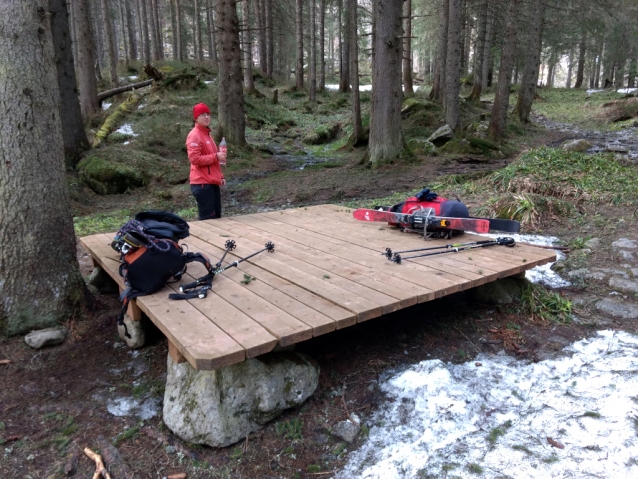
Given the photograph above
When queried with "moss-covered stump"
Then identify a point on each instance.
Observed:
(414, 105)
(322, 134)
(116, 169)
(220, 407)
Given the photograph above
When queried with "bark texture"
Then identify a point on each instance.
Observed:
(249, 83)
(477, 82)
(40, 281)
(453, 66)
(386, 139)
(501, 99)
(344, 69)
(230, 114)
(529, 81)
(408, 89)
(86, 60)
(110, 43)
(312, 67)
(357, 127)
(73, 134)
(580, 71)
(438, 83)
(299, 40)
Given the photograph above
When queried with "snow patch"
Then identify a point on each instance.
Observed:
(126, 129)
(127, 406)
(106, 106)
(502, 417)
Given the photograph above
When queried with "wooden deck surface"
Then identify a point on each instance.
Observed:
(326, 273)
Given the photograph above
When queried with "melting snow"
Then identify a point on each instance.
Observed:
(127, 406)
(126, 129)
(363, 87)
(106, 106)
(446, 420)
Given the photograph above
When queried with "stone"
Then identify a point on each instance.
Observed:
(617, 309)
(626, 255)
(220, 407)
(577, 145)
(101, 280)
(45, 337)
(441, 136)
(625, 244)
(502, 291)
(623, 285)
(347, 430)
(616, 149)
(592, 243)
(136, 331)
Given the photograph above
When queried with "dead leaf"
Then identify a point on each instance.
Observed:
(554, 443)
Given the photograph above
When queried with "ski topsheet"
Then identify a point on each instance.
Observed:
(474, 225)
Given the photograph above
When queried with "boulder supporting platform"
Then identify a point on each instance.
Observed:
(222, 406)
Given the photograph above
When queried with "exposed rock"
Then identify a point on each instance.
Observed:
(577, 145)
(441, 136)
(592, 243)
(103, 282)
(616, 149)
(322, 134)
(45, 337)
(625, 244)
(626, 255)
(502, 291)
(347, 430)
(136, 331)
(220, 407)
(623, 285)
(617, 309)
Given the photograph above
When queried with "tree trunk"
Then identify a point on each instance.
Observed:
(312, 69)
(261, 34)
(86, 60)
(124, 39)
(212, 43)
(468, 25)
(322, 47)
(130, 30)
(145, 38)
(386, 138)
(501, 100)
(580, 72)
(344, 70)
(358, 134)
(41, 283)
(270, 45)
(633, 70)
(109, 40)
(529, 81)
(151, 19)
(159, 26)
(173, 30)
(299, 40)
(73, 134)
(570, 61)
(197, 19)
(98, 37)
(408, 89)
(230, 110)
(438, 84)
(249, 83)
(452, 68)
(477, 82)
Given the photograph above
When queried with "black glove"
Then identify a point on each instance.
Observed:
(426, 195)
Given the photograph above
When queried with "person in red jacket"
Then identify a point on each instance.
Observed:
(206, 175)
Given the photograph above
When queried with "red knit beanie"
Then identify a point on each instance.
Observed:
(199, 109)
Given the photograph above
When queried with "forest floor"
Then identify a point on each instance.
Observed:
(57, 401)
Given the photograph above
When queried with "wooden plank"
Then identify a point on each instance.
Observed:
(175, 353)
(335, 270)
(318, 322)
(363, 308)
(202, 343)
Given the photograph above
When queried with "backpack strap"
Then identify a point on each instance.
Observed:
(199, 288)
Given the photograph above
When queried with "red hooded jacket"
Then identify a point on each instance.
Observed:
(202, 153)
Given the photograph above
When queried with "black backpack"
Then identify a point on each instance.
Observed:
(150, 256)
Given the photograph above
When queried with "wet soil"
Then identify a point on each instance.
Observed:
(55, 402)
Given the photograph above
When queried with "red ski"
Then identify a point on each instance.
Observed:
(419, 220)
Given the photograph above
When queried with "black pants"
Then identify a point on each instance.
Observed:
(209, 201)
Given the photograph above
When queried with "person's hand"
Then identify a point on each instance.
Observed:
(223, 181)
(222, 158)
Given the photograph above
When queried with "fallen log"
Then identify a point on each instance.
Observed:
(115, 91)
(111, 121)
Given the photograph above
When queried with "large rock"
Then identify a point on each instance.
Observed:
(623, 285)
(103, 282)
(625, 243)
(502, 291)
(220, 407)
(577, 145)
(441, 136)
(45, 337)
(136, 330)
(617, 309)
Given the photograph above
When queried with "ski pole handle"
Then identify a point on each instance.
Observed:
(187, 287)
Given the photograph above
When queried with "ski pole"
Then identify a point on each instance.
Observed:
(506, 241)
(389, 253)
(230, 245)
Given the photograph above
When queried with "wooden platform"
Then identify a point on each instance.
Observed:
(326, 273)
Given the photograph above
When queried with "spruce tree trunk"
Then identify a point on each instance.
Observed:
(173, 30)
(230, 110)
(487, 46)
(501, 100)
(40, 283)
(344, 71)
(477, 82)
(438, 84)
(151, 20)
(86, 60)
(124, 39)
(73, 134)
(386, 138)
(408, 89)
(212, 44)
(261, 35)
(145, 37)
(358, 134)
(453, 66)
(270, 53)
(249, 83)
(570, 61)
(580, 72)
(312, 69)
(299, 40)
(199, 49)
(159, 22)
(322, 47)
(529, 81)
(468, 25)
(130, 30)
(110, 45)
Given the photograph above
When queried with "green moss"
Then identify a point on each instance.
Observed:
(321, 134)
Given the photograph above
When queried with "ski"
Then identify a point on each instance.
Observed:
(419, 221)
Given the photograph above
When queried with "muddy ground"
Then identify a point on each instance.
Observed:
(53, 402)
